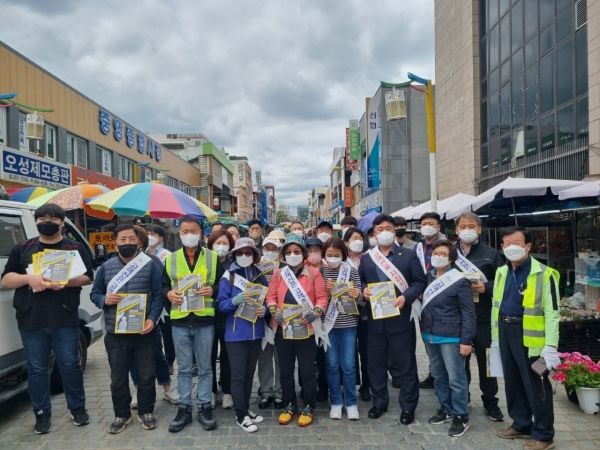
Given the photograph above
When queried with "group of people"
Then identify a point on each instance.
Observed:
(466, 299)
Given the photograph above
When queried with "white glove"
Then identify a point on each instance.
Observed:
(494, 344)
(416, 309)
(550, 355)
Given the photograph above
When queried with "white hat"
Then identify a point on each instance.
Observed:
(271, 240)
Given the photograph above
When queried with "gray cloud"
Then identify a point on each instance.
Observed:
(275, 81)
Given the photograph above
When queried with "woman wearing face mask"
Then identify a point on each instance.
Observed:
(342, 336)
(309, 290)
(243, 338)
(448, 328)
(314, 247)
(221, 242)
(354, 239)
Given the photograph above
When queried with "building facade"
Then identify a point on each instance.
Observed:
(316, 205)
(242, 186)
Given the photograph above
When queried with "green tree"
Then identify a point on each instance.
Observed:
(282, 217)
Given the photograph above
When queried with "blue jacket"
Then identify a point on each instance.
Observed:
(451, 313)
(236, 329)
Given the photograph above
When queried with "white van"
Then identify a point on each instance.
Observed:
(17, 224)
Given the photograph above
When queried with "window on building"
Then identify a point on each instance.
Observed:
(546, 11)
(494, 53)
(504, 38)
(493, 12)
(505, 149)
(485, 157)
(494, 81)
(564, 72)
(493, 116)
(531, 51)
(581, 61)
(546, 39)
(3, 126)
(547, 83)
(23, 141)
(583, 121)
(127, 170)
(518, 100)
(532, 103)
(518, 143)
(484, 86)
(531, 24)
(531, 138)
(564, 25)
(484, 123)
(517, 62)
(104, 161)
(565, 123)
(495, 153)
(76, 151)
(505, 109)
(517, 25)
(562, 4)
(483, 64)
(547, 131)
(505, 73)
(50, 142)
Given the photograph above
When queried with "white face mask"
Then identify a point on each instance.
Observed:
(244, 261)
(221, 249)
(386, 238)
(270, 256)
(344, 232)
(190, 240)
(514, 253)
(294, 260)
(468, 236)
(152, 241)
(298, 233)
(428, 231)
(439, 261)
(357, 246)
(334, 261)
(323, 236)
(373, 242)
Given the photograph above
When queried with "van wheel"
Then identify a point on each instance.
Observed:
(56, 383)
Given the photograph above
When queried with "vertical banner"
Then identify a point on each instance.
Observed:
(348, 197)
(354, 141)
(373, 147)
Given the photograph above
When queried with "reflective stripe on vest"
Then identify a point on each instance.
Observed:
(205, 265)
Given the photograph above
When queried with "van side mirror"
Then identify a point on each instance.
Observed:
(100, 254)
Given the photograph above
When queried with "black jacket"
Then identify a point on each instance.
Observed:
(407, 262)
(451, 313)
(488, 260)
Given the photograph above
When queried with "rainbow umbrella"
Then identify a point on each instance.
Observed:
(24, 195)
(75, 197)
(154, 199)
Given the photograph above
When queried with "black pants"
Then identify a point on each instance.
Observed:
(403, 346)
(224, 364)
(243, 357)
(123, 350)
(321, 369)
(481, 342)
(523, 387)
(362, 372)
(305, 351)
(167, 334)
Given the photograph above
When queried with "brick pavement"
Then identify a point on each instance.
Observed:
(575, 430)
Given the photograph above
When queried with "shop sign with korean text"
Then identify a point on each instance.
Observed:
(80, 174)
(106, 238)
(354, 141)
(26, 168)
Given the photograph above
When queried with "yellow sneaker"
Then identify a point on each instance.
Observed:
(307, 417)
(289, 413)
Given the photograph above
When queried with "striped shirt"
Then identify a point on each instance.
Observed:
(343, 320)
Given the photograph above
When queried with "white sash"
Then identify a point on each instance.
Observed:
(332, 312)
(421, 255)
(468, 267)
(302, 298)
(163, 255)
(440, 284)
(238, 281)
(127, 273)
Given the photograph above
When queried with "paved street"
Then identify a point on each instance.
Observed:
(574, 428)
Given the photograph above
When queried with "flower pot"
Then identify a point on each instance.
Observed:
(572, 396)
(588, 397)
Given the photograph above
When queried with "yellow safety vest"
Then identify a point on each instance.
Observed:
(534, 322)
(176, 265)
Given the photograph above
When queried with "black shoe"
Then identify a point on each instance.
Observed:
(148, 421)
(396, 383)
(459, 426)
(265, 401)
(183, 417)
(406, 418)
(80, 417)
(207, 418)
(43, 424)
(278, 403)
(376, 412)
(440, 417)
(427, 383)
(494, 413)
(322, 395)
(365, 393)
(119, 424)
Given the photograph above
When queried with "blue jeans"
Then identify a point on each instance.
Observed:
(64, 343)
(162, 366)
(342, 353)
(447, 367)
(188, 342)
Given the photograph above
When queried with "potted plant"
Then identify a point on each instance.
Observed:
(580, 374)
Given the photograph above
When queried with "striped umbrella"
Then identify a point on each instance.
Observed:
(24, 195)
(75, 197)
(154, 199)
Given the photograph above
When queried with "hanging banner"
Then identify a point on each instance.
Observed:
(348, 200)
(105, 238)
(373, 144)
(79, 174)
(354, 141)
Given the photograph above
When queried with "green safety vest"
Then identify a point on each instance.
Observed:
(534, 321)
(205, 265)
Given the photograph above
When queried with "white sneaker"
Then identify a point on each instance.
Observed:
(255, 418)
(134, 404)
(213, 402)
(227, 401)
(336, 412)
(171, 396)
(247, 425)
(352, 412)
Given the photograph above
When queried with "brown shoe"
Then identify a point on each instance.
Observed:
(510, 433)
(538, 445)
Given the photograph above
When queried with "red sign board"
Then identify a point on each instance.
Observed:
(79, 174)
(348, 197)
(350, 165)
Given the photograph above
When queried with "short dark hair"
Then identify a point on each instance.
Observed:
(191, 220)
(255, 222)
(297, 222)
(516, 229)
(400, 221)
(216, 235)
(351, 231)
(383, 218)
(215, 223)
(452, 251)
(143, 235)
(338, 244)
(50, 210)
(349, 220)
(124, 227)
(431, 215)
(227, 226)
(370, 232)
(152, 228)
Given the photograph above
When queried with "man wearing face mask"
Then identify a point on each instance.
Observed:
(47, 317)
(525, 318)
(400, 226)
(324, 230)
(297, 228)
(479, 262)
(193, 332)
(347, 223)
(255, 231)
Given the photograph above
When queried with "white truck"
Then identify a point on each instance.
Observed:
(17, 224)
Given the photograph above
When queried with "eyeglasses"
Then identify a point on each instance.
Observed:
(244, 253)
(292, 252)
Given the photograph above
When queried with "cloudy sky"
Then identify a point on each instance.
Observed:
(275, 80)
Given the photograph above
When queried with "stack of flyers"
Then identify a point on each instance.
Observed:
(131, 314)
(190, 286)
(342, 300)
(294, 328)
(57, 265)
(249, 309)
(267, 268)
(383, 298)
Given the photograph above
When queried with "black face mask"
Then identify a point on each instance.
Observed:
(127, 250)
(400, 232)
(48, 228)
